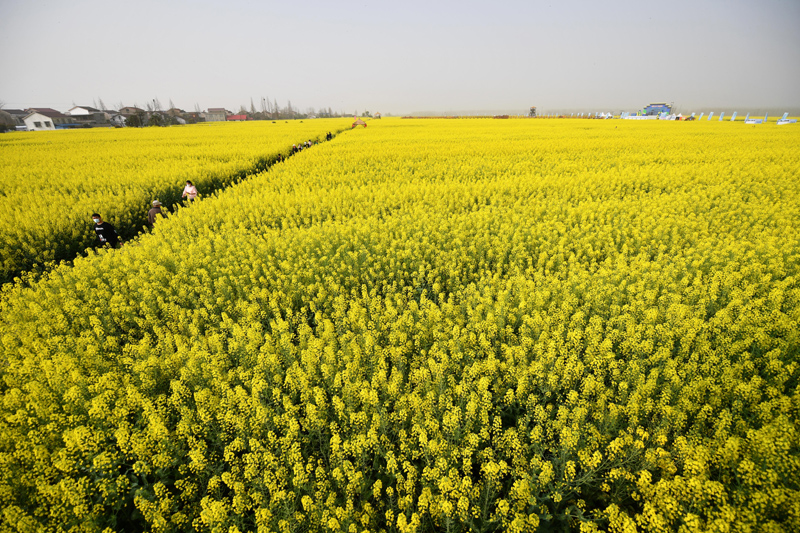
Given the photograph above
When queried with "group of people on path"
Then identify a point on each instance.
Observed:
(309, 143)
(298, 147)
(107, 233)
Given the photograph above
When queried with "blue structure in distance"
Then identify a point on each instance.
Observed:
(657, 109)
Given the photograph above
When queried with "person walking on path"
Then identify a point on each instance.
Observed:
(190, 191)
(106, 234)
(155, 213)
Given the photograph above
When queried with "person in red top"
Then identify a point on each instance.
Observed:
(190, 191)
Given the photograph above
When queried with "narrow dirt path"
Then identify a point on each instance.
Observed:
(171, 199)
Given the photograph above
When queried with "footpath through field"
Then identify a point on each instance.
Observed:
(51, 182)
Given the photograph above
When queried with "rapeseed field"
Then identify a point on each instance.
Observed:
(51, 182)
(477, 325)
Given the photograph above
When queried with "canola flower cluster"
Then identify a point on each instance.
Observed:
(430, 326)
(51, 182)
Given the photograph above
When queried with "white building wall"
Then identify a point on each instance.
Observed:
(216, 117)
(44, 123)
(79, 112)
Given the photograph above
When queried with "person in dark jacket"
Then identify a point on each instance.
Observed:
(155, 213)
(106, 234)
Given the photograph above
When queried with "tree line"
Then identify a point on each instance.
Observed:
(154, 114)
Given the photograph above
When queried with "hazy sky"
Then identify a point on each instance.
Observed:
(402, 56)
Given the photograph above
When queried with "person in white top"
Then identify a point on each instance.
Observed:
(190, 191)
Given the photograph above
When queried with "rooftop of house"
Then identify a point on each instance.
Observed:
(46, 111)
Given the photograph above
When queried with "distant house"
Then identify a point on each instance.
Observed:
(236, 118)
(193, 117)
(117, 120)
(57, 117)
(43, 119)
(129, 111)
(39, 122)
(90, 117)
(217, 114)
(82, 111)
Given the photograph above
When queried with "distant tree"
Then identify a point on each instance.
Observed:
(252, 108)
(101, 103)
(289, 110)
(196, 107)
(171, 105)
(7, 122)
(141, 114)
(156, 120)
(366, 114)
(133, 121)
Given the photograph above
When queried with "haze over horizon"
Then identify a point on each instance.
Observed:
(443, 57)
